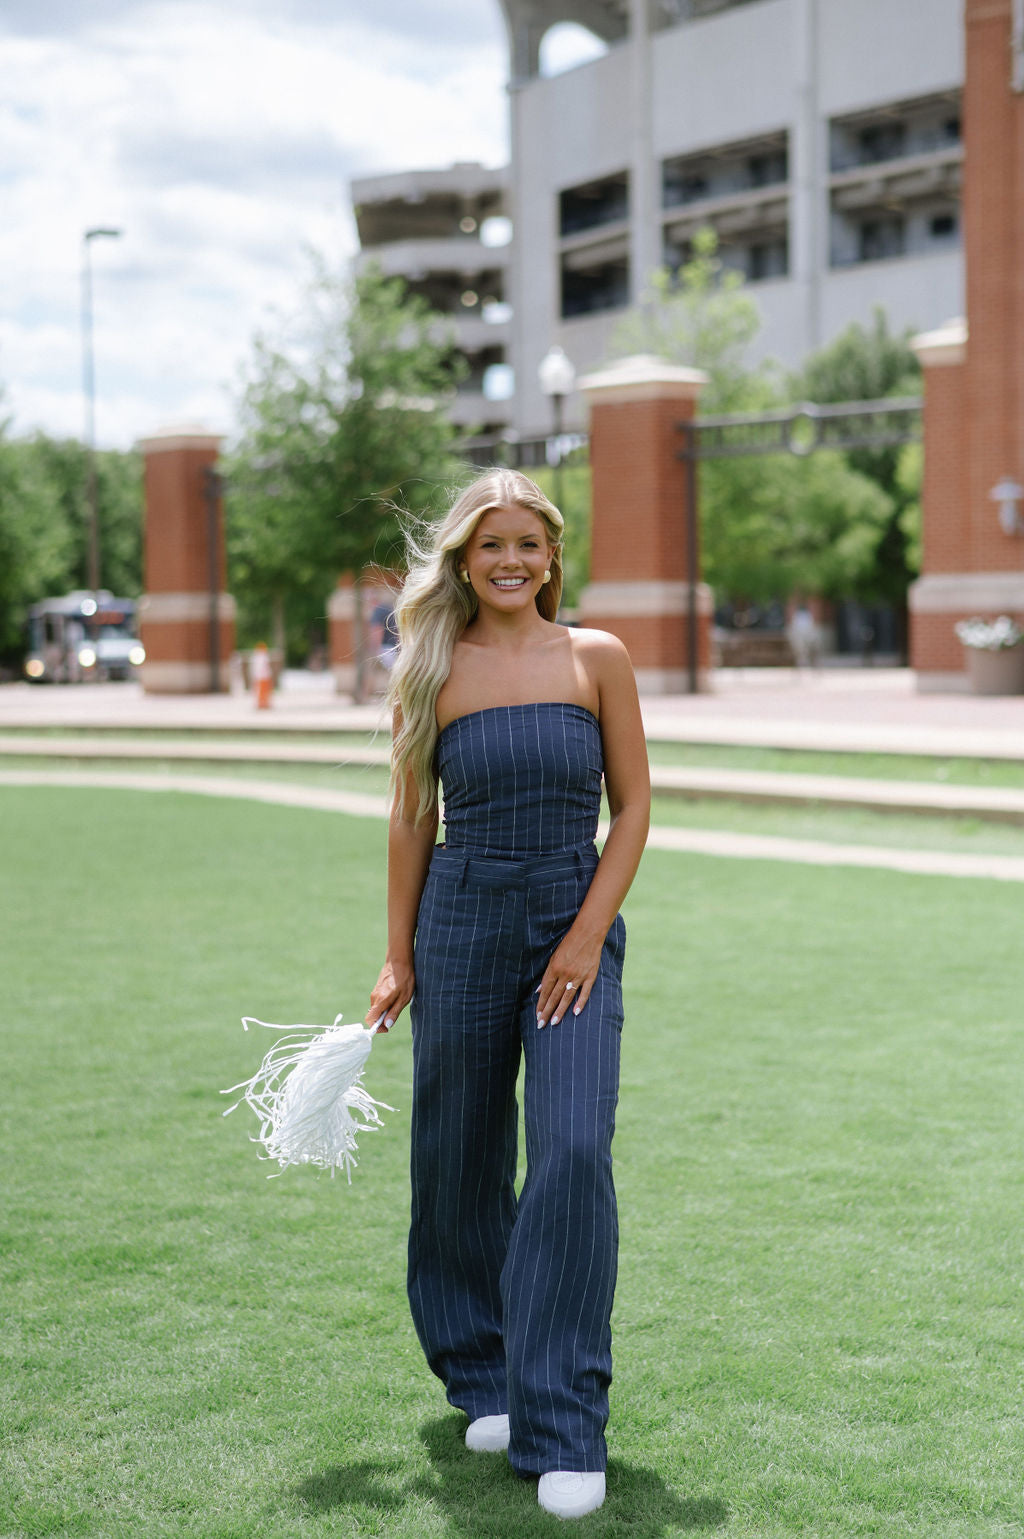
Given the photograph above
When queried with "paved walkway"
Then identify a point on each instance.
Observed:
(811, 852)
(845, 710)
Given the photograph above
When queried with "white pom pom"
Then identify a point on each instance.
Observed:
(309, 1096)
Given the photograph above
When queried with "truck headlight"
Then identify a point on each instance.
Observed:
(87, 657)
(137, 655)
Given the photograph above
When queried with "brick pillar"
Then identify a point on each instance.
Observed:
(974, 373)
(638, 586)
(342, 640)
(183, 585)
(994, 251)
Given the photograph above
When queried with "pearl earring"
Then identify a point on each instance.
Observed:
(546, 577)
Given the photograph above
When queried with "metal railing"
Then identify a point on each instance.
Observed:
(800, 430)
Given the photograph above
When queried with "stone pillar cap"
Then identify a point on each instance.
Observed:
(643, 377)
(947, 344)
(180, 435)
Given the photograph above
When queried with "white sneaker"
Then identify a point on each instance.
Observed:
(488, 1434)
(570, 1493)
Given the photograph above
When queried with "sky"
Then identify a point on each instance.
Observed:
(219, 136)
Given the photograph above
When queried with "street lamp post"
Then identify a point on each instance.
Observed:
(557, 378)
(89, 387)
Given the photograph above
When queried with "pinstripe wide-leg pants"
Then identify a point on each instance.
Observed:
(512, 1297)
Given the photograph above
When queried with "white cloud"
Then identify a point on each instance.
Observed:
(220, 139)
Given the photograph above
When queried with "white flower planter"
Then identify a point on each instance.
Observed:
(996, 673)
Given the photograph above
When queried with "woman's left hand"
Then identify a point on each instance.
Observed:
(568, 979)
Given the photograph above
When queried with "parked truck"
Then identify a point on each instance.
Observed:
(83, 636)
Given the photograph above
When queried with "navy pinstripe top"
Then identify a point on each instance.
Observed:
(521, 780)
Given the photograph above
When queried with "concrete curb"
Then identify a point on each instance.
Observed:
(994, 804)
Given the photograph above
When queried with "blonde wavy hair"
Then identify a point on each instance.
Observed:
(433, 610)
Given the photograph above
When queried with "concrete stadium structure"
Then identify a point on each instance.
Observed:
(442, 232)
(820, 138)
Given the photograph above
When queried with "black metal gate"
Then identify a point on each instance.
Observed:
(799, 430)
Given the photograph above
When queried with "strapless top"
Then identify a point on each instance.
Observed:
(521, 780)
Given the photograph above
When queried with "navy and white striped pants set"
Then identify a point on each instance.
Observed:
(511, 1295)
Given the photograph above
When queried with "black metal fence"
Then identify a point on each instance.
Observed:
(801, 430)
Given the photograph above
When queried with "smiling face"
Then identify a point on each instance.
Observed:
(506, 558)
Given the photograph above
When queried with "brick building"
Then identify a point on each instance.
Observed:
(974, 371)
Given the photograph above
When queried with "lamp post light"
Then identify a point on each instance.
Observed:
(557, 378)
(89, 387)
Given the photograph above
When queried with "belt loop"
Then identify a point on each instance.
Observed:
(464, 873)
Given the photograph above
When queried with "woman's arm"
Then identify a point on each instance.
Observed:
(410, 846)
(628, 786)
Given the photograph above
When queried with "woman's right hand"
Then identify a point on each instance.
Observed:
(391, 993)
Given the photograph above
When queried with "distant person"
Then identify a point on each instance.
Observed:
(261, 676)
(804, 637)
(384, 632)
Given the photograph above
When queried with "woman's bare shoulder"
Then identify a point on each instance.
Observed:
(602, 660)
(598, 649)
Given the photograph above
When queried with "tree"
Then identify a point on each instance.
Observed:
(44, 526)
(701, 316)
(571, 484)
(35, 547)
(869, 363)
(58, 469)
(769, 525)
(343, 434)
(773, 526)
(864, 363)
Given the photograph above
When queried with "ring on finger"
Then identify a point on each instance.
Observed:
(569, 987)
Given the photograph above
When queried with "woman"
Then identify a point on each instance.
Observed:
(508, 942)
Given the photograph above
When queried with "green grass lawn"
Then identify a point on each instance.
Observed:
(370, 779)
(197, 736)
(818, 1326)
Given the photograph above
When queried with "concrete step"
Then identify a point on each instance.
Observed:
(993, 804)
